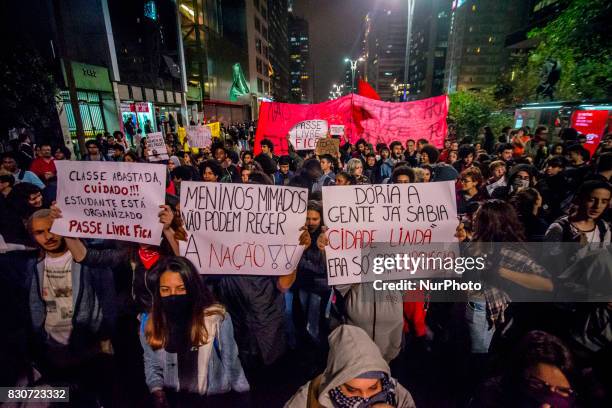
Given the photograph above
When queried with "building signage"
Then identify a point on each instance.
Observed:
(91, 77)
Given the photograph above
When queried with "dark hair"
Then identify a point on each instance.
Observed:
(327, 157)
(183, 173)
(119, 147)
(540, 347)
(432, 152)
(156, 328)
(312, 168)
(403, 171)
(604, 163)
(132, 155)
(578, 148)
(250, 153)
(10, 155)
(67, 153)
(344, 174)
(91, 142)
(497, 221)
(423, 141)
(258, 177)
(380, 146)
(7, 178)
(465, 150)
(395, 143)
(213, 166)
(524, 201)
(504, 146)
(360, 141)
(585, 190)
(267, 163)
(556, 161)
(568, 134)
(267, 142)
(315, 205)
(284, 160)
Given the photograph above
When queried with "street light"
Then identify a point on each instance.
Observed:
(353, 68)
(408, 38)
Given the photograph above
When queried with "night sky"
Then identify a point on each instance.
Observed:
(335, 27)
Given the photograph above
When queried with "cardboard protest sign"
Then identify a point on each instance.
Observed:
(156, 147)
(373, 120)
(199, 136)
(328, 145)
(215, 129)
(242, 229)
(336, 130)
(110, 200)
(304, 135)
(395, 217)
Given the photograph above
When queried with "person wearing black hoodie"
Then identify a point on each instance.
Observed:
(554, 189)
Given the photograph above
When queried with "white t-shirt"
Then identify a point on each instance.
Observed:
(57, 294)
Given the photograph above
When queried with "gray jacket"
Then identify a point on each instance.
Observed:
(351, 353)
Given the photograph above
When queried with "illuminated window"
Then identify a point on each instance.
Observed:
(473, 7)
(478, 50)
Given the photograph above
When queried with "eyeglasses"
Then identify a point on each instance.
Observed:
(537, 384)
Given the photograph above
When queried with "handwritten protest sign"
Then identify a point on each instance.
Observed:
(199, 136)
(370, 119)
(328, 145)
(110, 200)
(304, 135)
(242, 228)
(156, 147)
(336, 130)
(215, 129)
(389, 216)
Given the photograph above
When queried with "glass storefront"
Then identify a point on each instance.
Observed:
(138, 120)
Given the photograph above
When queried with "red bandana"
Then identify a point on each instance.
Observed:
(148, 257)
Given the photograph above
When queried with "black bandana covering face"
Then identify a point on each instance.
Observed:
(387, 396)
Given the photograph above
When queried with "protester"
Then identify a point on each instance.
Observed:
(354, 167)
(10, 164)
(283, 175)
(188, 338)
(537, 375)
(93, 151)
(356, 375)
(72, 337)
(44, 166)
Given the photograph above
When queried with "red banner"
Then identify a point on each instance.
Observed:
(375, 121)
(592, 124)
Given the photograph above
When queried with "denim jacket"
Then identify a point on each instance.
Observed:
(93, 297)
(224, 372)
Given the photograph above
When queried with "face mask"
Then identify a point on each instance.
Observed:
(520, 184)
(177, 307)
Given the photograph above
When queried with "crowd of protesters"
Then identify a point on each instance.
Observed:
(126, 324)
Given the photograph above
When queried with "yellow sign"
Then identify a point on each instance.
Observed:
(215, 129)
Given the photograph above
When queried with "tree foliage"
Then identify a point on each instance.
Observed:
(579, 39)
(28, 91)
(470, 111)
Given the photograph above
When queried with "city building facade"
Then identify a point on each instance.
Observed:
(278, 31)
(477, 53)
(300, 66)
(428, 47)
